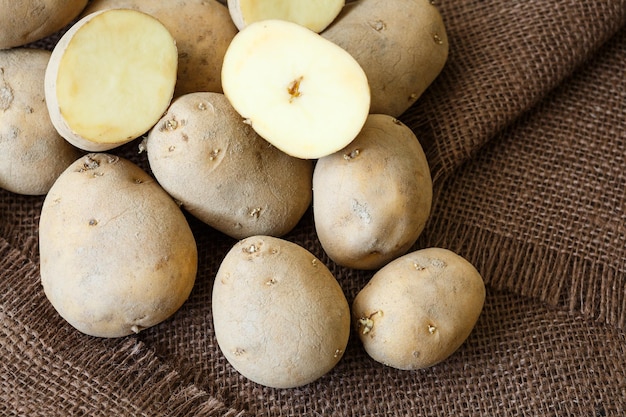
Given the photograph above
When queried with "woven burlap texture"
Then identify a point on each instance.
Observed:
(525, 132)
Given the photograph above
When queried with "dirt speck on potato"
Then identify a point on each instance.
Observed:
(88, 164)
(418, 266)
(253, 248)
(378, 25)
(202, 106)
(352, 154)
(6, 96)
(214, 154)
(169, 125)
(361, 211)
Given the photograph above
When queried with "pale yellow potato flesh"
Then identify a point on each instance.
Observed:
(313, 14)
(300, 92)
(203, 30)
(110, 78)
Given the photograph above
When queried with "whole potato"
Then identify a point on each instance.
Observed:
(280, 317)
(372, 199)
(203, 30)
(32, 153)
(419, 309)
(117, 255)
(401, 44)
(27, 21)
(223, 173)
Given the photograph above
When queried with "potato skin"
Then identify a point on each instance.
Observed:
(23, 22)
(419, 309)
(315, 16)
(33, 153)
(402, 45)
(203, 30)
(223, 173)
(372, 199)
(117, 255)
(280, 317)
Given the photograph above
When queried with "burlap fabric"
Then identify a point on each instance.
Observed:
(525, 131)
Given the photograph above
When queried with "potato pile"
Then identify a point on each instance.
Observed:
(248, 112)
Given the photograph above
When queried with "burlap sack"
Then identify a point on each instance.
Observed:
(525, 131)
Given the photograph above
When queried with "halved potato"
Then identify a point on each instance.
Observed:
(110, 78)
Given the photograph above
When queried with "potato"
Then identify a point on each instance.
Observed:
(117, 255)
(280, 317)
(372, 199)
(419, 309)
(402, 46)
(298, 91)
(203, 29)
(33, 153)
(223, 173)
(23, 22)
(314, 15)
(110, 78)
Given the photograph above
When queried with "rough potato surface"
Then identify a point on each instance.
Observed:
(32, 153)
(371, 200)
(280, 317)
(26, 21)
(419, 309)
(117, 255)
(402, 46)
(223, 173)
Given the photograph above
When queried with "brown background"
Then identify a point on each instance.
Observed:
(525, 131)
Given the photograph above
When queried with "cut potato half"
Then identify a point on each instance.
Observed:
(299, 91)
(202, 29)
(110, 78)
(313, 14)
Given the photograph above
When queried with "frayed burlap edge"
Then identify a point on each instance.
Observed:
(532, 270)
(51, 369)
